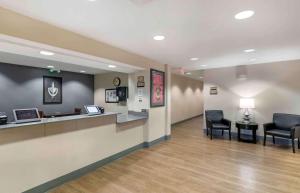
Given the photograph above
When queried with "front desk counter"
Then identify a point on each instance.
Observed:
(55, 149)
(13, 132)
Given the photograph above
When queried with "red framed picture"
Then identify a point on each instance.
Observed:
(157, 88)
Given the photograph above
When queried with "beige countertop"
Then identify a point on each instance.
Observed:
(121, 118)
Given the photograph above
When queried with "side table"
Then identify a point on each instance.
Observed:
(240, 125)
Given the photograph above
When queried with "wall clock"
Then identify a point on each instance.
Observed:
(116, 81)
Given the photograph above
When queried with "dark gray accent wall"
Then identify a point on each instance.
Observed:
(22, 87)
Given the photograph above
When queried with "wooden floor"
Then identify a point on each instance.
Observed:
(191, 162)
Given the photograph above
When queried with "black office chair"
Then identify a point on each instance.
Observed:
(215, 121)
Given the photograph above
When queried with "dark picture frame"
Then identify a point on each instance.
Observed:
(122, 93)
(213, 90)
(111, 96)
(52, 90)
(157, 88)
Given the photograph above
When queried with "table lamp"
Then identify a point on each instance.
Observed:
(247, 103)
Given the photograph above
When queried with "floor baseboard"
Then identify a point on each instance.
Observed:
(187, 119)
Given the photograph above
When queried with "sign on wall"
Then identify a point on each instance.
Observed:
(157, 88)
(140, 81)
(111, 96)
(140, 94)
(213, 90)
(52, 90)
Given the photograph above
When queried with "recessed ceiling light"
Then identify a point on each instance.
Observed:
(50, 66)
(194, 59)
(244, 15)
(203, 65)
(188, 73)
(159, 37)
(91, 0)
(82, 71)
(46, 53)
(111, 66)
(249, 50)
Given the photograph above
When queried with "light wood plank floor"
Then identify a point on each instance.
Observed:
(190, 162)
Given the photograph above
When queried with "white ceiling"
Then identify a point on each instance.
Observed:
(195, 74)
(193, 28)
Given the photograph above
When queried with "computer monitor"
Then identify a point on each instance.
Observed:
(92, 109)
(26, 115)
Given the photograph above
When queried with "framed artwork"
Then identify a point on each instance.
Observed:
(52, 90)
(122, 93)
(213, 90)
(140, 81)
(111, 96)
(157, 88)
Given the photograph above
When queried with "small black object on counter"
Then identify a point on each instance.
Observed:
(3, 118)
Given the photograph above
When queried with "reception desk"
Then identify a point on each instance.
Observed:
(40, 155)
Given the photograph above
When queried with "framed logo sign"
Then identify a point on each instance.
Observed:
(157, 88)
(52, 90)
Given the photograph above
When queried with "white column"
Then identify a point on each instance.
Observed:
(168, 99)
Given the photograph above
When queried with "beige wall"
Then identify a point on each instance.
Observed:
(274, 86)
(105, 81)
(186, 98)
(156, 124)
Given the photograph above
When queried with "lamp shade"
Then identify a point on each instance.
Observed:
(247, 103)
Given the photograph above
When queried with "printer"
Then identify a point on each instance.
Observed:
(3, 118)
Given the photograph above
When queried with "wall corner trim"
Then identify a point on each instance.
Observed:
(188, 119)
(156, 141)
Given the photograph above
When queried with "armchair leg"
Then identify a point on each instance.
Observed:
(230, 134)
(298, 143)
(211, 133)
(293, 144)
(265, 138)
(206, 131)
(222, 132)
(273, 139)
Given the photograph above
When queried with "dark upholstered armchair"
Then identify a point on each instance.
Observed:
(215, 121)
(285, 126)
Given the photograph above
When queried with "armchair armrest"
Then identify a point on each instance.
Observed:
(268, 126)
(296, 131)
(208, 124)
(227, 122)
